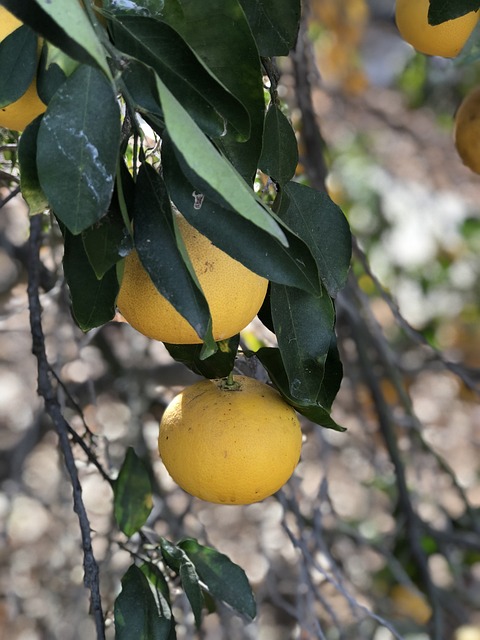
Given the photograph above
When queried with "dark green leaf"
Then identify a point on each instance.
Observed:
(161, 591)
(30, 185)
(54, 68)
(255, 248)
(158, 45)
(274, 24)
(304, 328)
(132, 494)
(443, 10)
(279, 152)
(191, 586)
(203, 158)
(218, 365)
(172, 554)
(142, 91)
(159, 250)
(225, 580)
(136, 612)
(109, 240)
(93, 300)
(77, 148)
(18, 64)
(320, 223)
(271, 359)
(65, 24)
(220, 35)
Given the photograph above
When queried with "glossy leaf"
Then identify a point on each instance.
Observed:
(279, 152)
(132, 490)
(218, 365)
(54, 68)
(191, 586)
(93, 299)
(65, 24)
(29, 183)
(159, 585)
(158, 45)
(109, 240)
(321, 224)
(18, 64)
(225, 579)
(77, 148)
(203, 158)
(237, 236)
(304, 327)
(219, 33)
(142, 92)
(136, 612)
(274, 24)
(271, 359)
(443, 10)
(159, 249)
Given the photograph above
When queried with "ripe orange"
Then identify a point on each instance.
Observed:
(446, 39)
(20, 113)
(233, 292)
(230, 445)
(467, 130)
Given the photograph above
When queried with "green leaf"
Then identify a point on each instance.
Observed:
(163, 254)
(132, 490)
(159, 585)
(320, 223)
(237, 236)
(191, 586)
(218, 365)
(109, 240)
(158, 45)
(141, 91)
(77, 148)
(220, 35)
(93, 299)
(274, 24)
(225, 579)
(443, 10)
(136, 612)
(304, 327)
(65, 24)
(54, 68)
(29, 183)
(18, 64)
(271, 359)
(279, 152)
(202, 157)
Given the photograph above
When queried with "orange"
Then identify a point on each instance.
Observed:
(230, 444)
(233, 292)
(20, 113)
(467, 130)
(446, 39)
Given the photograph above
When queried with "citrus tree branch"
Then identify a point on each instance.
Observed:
(52, 406)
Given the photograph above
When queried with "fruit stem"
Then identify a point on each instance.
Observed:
(230, 384)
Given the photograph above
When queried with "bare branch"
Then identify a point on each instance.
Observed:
(52, 406)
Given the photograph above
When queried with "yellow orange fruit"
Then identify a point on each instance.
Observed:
(233, 292)
(446, 39)
(230, 445)
(20, 113)
(467, 130)
(411, 604)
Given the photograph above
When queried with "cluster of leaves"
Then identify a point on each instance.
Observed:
(143, 609)
(195, 73)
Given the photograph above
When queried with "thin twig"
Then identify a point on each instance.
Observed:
(52, 406)
(10, 196)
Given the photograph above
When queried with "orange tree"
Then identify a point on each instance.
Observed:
(200, 81)
(202, 77)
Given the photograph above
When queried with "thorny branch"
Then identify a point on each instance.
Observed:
(53, 409)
